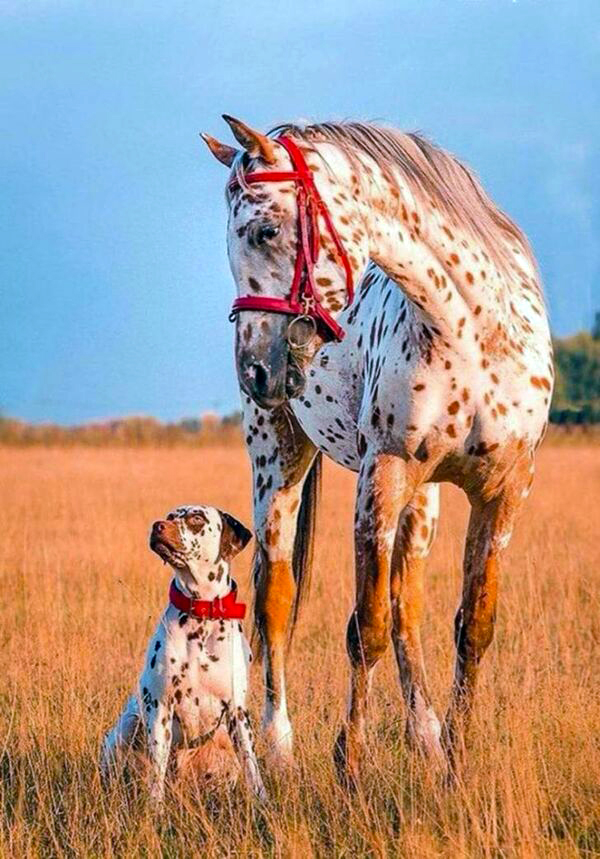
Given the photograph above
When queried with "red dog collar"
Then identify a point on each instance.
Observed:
(221, 608)
(303, 299)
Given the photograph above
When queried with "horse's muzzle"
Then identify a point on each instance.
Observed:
(267, 384)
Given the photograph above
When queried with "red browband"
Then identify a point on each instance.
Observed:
(303, 299)
(220, 608)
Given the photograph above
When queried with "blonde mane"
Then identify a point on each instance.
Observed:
(432, 174)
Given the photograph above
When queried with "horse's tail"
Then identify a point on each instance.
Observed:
(304, 541)
(302, 557)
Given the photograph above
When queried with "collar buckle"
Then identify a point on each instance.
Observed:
(216, 608)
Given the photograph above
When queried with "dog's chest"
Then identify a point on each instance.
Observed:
(206, 665)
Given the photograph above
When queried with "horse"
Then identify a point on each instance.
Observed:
(438, 367)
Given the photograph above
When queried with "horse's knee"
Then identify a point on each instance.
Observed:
(274, 598)
(476, 618)
(367, 637)
(474, 632)
(417, 527)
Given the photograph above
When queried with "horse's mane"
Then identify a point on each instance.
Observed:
(431, 174)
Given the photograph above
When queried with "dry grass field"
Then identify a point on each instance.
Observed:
(81, 593)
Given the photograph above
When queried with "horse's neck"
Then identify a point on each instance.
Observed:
(442, 268)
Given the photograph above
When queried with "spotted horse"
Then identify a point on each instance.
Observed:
(439, 368)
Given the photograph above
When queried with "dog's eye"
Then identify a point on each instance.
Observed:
(265, 233)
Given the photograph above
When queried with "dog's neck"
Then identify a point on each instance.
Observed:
(206, 582)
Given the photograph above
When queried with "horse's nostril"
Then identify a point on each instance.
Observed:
(294, 382)
(158, 527)
(263, 379)
(259, 377)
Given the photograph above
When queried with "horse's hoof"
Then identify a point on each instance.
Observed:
(280, 766)
(428, 744)
(279, 751)
(454, 746)
(280, 760)
(346, 761)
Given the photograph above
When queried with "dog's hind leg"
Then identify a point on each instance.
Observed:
(120, 737)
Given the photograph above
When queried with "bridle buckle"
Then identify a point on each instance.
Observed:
(308, 304)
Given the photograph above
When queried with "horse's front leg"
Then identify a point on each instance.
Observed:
(286, 472)
(383, 492)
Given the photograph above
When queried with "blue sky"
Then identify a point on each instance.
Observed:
(114, 283)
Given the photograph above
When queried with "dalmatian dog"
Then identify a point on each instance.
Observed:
(195, 679)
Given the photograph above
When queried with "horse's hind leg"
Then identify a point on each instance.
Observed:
(415, 535)
(490, 528)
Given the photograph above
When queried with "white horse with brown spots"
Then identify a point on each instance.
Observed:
(439, 369)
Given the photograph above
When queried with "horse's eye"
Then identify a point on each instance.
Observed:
(265, 233)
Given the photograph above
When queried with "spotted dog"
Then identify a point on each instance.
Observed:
(194, 683)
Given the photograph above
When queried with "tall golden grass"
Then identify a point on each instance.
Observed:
(81, 594)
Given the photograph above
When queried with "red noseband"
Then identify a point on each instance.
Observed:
(303, 299)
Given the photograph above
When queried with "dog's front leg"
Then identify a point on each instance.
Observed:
(159, 723)
(240, 732)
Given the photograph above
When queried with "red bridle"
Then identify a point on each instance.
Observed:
(303, 299)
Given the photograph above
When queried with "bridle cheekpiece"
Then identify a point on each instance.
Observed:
(303, 300)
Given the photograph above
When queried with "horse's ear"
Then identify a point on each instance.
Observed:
(256, 144)
(234, 536)
(222, 152)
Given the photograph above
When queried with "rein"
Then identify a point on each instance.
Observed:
(303, 300)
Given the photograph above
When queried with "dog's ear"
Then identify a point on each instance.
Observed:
(234, 536)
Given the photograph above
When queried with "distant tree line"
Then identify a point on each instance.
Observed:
(577, 389)
(206, 431)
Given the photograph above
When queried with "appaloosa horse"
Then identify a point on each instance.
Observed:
(446, 378)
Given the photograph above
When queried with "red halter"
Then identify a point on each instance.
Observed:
(303, 299)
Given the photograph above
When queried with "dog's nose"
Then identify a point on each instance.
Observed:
(158, 527)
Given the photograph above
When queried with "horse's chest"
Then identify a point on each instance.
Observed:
(328, 410)
(350, 381)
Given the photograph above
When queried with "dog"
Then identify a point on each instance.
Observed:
(193, 688)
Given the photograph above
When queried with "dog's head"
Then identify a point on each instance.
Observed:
(196, 536)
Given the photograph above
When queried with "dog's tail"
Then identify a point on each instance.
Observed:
(302, 559)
